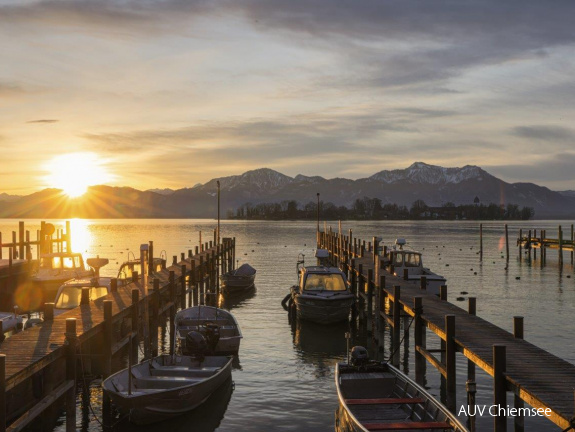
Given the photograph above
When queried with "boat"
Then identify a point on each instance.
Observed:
(166, 386)
(208, 319)
(407, 259)
(376, 396)
(238, 280)
(323, 294)
(69, 295)
(130, 267)
(56, 268)
(11, 322)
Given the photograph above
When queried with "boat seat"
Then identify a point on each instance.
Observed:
(384, 401)
(163, 382)
(183, 372)
(407, 426)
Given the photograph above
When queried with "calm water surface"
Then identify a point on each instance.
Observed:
(285, 377)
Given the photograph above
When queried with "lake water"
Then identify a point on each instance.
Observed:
(285, 378)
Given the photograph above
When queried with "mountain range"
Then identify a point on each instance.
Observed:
(433, 184)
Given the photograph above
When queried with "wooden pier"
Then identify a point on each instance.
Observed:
(529, 241)
(533, 375)
(39, 367)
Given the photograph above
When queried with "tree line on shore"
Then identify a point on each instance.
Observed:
(373, 209)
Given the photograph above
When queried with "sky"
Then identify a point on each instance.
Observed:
(167, 94)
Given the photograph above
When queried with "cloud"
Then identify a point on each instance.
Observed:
(43, 121)
(545, 133)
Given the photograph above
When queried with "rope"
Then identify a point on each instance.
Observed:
(405, 333)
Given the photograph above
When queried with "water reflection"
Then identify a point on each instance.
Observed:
(320, 345)
(230, 301)
(206, 418)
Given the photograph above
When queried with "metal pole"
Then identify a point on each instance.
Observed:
(218, 182)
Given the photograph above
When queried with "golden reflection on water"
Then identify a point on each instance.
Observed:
(82, 238)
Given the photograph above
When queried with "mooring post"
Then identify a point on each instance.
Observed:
(85, 298)
(183, 288)
(107, 364)
(370, 283)
(499, 387)
(450, 364)
(135, 276)
(135, 317)
(174, 260)
(21, 240)
(481, 242)
(423, 283)
(419, 340)
(396, 324)
(472, 310)
(535, 250)
(71, 374)
(519, 420)
(443, 292)
(560, 246)
(154, 321)
(194, 285)
(405, 274)
(48, 311)
(572, 244)
(520, 244)
(172, 290)
(114, 285)
(530, 247)
(471, 388)
(2, 392)
(506, 243)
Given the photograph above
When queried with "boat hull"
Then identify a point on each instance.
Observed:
(236, 284)
(147, 406)
(323, 310)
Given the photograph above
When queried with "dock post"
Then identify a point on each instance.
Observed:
(443, 292)
(48, 311)
(423, 283)
(201, 281)
(172, 290)
(381, 309)
(471, 388)
(85, 298)
(499, 386)
(71, 374)
(405, 274)
(472, 310)
(572, 244)
(419, 340)
(135, 317)
(560, 246)
(194, 286)
(480, 242)
(450, 364)
(114, 285)
(506, 243)
(370, 284)
(520, 244)
(396, 325)
(155, 318)
(535, 250)
(107, 365)
(519, 420)
(2, 392)
(21, 240)
(360, 289)
(530, 247)
(183, 288)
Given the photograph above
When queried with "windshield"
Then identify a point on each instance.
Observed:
(324, 282)
(412, 260)
(127, 270)
(70, 297)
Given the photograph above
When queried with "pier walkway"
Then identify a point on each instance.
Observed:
(532, 374)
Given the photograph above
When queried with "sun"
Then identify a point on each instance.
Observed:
(75, 172)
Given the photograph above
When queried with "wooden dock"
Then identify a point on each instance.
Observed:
(39, 366)
(529, 241)
(532, 374)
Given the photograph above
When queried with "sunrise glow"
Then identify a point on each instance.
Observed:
(75, 172)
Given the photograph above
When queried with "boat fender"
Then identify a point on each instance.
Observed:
(285, 302)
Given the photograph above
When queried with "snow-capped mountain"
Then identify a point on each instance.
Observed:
(423, 173)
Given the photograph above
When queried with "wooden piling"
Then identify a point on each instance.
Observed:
(481, 242)
(499, 386)
(370, 283)
(396, 324)
(2, 392)
(518, 420)
(419, 340)
(443, 292)
(560, 246)
(423, 283)
(135, 317)
(154, 324)
(506, 243)
(48, 311)
(472, 310)
(107, 359)
(450, 364)
(183, 288)
(172, 291)
(71, 374)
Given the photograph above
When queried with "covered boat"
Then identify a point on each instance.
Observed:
(166, 386)
(208, 320)
(239, 280)
(323, 294)
(376, 396)
(411, 261)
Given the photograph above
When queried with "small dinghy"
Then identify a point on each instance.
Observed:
(239, 280)
(209, 321)
(166, 386)
(376, 396)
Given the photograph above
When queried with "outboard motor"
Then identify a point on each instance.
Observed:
(212, 336)
(196, 345)
(359, 356)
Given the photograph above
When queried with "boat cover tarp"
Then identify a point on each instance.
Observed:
(245, 270)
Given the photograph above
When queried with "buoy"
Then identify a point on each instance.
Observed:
(463, 292)
(446, 265)
(474, 273)
(460, 298)
(517, 278)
